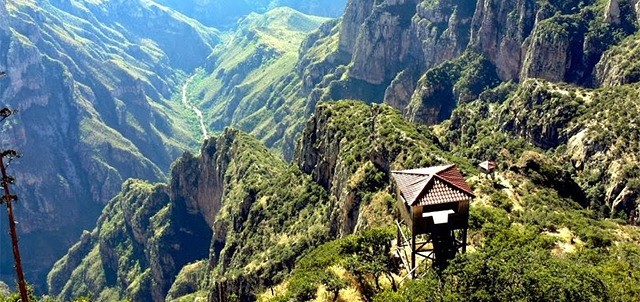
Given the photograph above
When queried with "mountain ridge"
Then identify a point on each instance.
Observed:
(100, 115)
(391, 51)
(344, 158)
(232, 185)
(224, 14)
(546, 89)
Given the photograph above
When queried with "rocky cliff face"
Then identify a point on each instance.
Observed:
(383, 43)
(92, 86)
(442, 29)
(198, 182)
(355, 15)
(402, 35)
(619, 64)
(538, 63)
(616, 10)
(396, 35)
(499, 30)
(394, 44)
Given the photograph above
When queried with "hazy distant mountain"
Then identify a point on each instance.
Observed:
(224, 13)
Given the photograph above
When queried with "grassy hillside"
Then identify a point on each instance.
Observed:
(250, 81)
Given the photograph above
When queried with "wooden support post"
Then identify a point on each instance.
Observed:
(464, 240)
(398, 235)
(413, 255)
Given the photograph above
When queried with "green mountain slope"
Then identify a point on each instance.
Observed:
(94, 84)
(264, 216)
(424, 58)
(256, 206)
(250, 82)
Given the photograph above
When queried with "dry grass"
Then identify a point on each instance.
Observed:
(273, 292)
(567, 243)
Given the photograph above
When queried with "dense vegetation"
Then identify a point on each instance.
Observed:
(532, 212)
(238, 222)
(534, 238)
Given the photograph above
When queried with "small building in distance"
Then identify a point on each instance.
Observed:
(487, 167)
(433, 203)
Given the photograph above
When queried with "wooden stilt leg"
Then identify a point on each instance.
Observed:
(464, 240)
(413, 255)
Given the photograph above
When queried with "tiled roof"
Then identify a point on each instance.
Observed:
(434, 185)
(411, 184)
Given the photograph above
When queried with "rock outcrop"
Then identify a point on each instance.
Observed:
(354, 16)
(548, 54)
(616, 9)
(619, 65)
(499, 30)
(442, 30)
(384, 43)
(398, 94)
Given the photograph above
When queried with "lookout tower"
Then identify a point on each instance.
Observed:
(434, 204)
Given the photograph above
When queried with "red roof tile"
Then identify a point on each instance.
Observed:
(434, 185)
